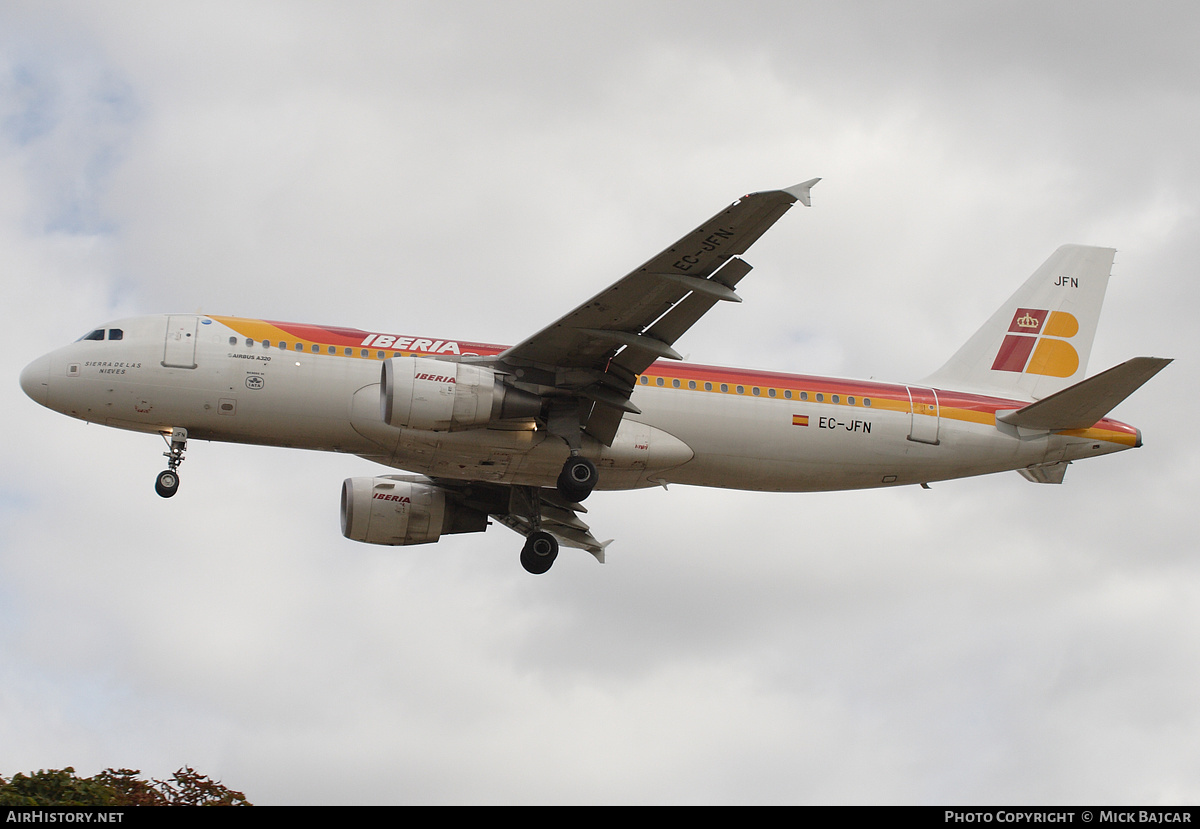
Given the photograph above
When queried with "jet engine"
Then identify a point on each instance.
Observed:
(441, 396)
(394, 511)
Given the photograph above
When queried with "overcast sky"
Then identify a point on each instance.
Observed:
(474, 170)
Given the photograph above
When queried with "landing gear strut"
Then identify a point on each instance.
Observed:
(578, 476)
(167, 483)
(541, 548)
(577, 479)
(539, 552)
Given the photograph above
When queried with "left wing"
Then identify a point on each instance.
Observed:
(595, 353)
(523, 509)
(550, 512)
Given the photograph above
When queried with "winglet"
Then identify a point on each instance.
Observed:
(801, 191)
(598, 552)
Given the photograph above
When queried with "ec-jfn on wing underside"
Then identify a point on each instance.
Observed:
(595, 352)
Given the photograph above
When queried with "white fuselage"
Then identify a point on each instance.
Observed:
(698, 424)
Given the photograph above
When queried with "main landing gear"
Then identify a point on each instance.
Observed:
(167, 483)
(575, 482)
(539, 552)
(577, 479)
(541, 548)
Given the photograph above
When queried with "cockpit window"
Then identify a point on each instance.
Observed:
(98, 334)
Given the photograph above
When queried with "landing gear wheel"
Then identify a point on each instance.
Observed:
(168, 480)
(167, 483)
(577, 479)
(539, 552)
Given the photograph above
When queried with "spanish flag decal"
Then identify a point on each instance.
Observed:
(799, 420)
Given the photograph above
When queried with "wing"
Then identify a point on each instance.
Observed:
(557, 517)
(523, 509)
(595, 353)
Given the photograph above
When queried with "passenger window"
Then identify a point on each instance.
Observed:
(835, 399)
(299, 346)
(116, 334)
(233, 340)
(675, 383)
(787, 393)
(249, 342)
(349, 352)
(724, 387)
(770, 392)
(643, 379)
(754, 391)
(658, 381)
(364, 353)
(316, 349)
(741, 389)
(266, 343)
(691, 384)
(850, 400)
(708, 386)
(332, 350)
(866, 401)
(380, 354)
(820, 398)
(803, 395)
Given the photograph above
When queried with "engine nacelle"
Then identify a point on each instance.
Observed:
(441, 396)
(391, 511)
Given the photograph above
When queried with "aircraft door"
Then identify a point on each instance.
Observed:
(925, 415)
(180, 348)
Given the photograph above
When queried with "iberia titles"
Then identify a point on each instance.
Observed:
(411, 344)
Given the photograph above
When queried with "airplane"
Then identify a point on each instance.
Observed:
(600, 399)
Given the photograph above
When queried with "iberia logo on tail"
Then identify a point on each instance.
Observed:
(1037, 342)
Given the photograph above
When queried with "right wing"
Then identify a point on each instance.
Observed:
(596, 351)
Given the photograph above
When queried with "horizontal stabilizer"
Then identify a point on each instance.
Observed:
(1082, 405)
(1045, 473)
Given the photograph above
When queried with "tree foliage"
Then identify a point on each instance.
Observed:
(110, 788)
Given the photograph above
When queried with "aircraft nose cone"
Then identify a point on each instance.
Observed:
(35, 380)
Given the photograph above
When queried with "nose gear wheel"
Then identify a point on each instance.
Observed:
(167, 483)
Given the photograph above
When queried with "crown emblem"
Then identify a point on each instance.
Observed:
(1027, 321)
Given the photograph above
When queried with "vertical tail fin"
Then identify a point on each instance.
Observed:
(1039, 341)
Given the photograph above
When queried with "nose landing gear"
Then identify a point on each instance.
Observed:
(167, 483)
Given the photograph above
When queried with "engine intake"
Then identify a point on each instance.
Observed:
(391, 511)
(441, 396)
